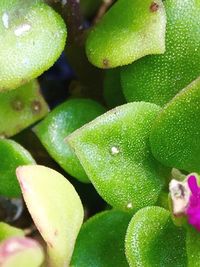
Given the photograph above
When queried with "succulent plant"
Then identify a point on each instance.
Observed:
(102, 102)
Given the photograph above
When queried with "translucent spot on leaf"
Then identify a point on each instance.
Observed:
(36, 106)
(129, 205)
(5, 19)
(114, 150)
(22, 29)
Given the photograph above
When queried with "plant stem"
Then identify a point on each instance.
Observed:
(102, 10)
(74, 20)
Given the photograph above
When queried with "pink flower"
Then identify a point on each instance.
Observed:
(193, 209)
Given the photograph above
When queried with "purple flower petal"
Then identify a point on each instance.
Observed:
(193, 210)
(192, 183)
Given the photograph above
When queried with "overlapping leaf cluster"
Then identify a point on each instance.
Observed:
(152, 51)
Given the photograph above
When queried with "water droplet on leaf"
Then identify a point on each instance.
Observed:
(114, 150)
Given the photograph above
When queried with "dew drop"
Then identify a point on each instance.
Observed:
(129, 205)
(22, 29)
(114, 150)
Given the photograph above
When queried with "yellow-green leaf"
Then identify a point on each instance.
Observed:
(55, 208)
(21, 252)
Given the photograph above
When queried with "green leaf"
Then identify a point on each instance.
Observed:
(101, 241)
(32, 37)
(192, 246)
(62, 121)
(8, 231)
(112, 88)
(127, 32)
(21, 251)
(12, 155)
(114, 151)
(152, 240)
(20, 108)
(157, 78)
(55, 208)
(176, 132)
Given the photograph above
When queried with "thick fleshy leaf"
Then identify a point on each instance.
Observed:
(176, 132)
(192, 246)
(101, 241)
(8, 231)
(32, 37)
(153, 240)
(62, 121)
(114, 151)
(21, 251)
(12, 155)
(127, 32)
(113, 94)
(157, 78)
(55, 208)
(20, 108)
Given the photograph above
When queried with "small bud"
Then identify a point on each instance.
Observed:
(186, 199)
(180, 194)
